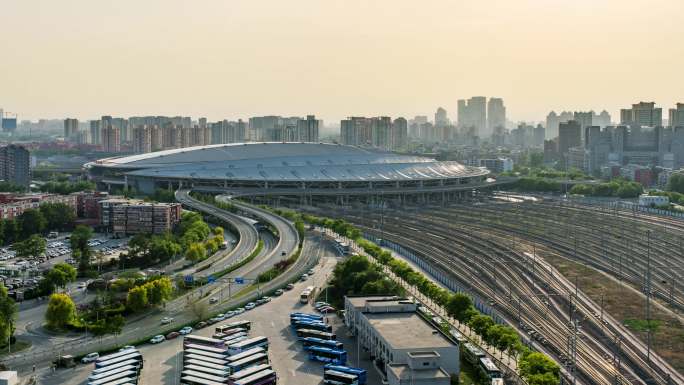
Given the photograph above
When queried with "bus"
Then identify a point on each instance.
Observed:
(245, 354)
(306, 315)
(199, 340)
(342, 247)
(333, 356)
(253, 360)
(201, 361)
(130, 371)
(334, 377)
(307, 294)
(228, 333)
(221, 372)
(490, 370)
(360, 373)
(316, 333)
(256, 342)
(497, 381)
(196, 374)
(472, 353)
(233, 336)
(114, 377)
(131, 355)
(204, 353)
(123, 381)
(133, 363)
(247, 325)
(264, 377)
(209, 349)
(192, 380)
(248, 372)
(312, 341)
(312, 326)
(113, 356)
(458, 336)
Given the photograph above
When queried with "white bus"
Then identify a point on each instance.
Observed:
(256, 342)
(307, 294)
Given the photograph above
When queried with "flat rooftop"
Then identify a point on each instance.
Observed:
(404, 372)
(360, 302)
(407, 331)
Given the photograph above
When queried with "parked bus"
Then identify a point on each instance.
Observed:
(320, 326)
(361, 373)
(305, 315)
(338, 357)
(264, 377)
(472, 353)
(133, 363)
(221, 372)
(253, 360)
(112, 356)
(196, 374)
(316, 334)
(312, 341)
(130, 371)
(199, 340)
(209, 349)
(204, 353)
(233, 337)
(114, 377)
(245, 354)
(123, 381)
(307, 294)
(192, 380)
(130, 356)
(229, 333)
(244, 373)
(247, 325)
(489, 368)
(256, 342)
(333, 377)
(202, 361)
(458, 336)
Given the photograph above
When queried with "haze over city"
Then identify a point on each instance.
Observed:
(230, 59)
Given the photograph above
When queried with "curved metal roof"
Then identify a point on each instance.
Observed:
(287, 162)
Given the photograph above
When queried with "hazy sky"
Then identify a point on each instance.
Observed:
(239, 58)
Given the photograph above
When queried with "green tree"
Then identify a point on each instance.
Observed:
(137, 298)
(59, 216)
(195, 252)
(8, 313)
(61, 274)
(60, 312)
(33, 246)
(480, 323)
(159, 290)
(536, 365)
(31, 222)
(79, 244)
(218, 230)
(676, 183)
(542, 379)
(459, 306)
(582, 189)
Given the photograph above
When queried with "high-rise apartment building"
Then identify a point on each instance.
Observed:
(382, 132)
(70, 128)
(156, 143)
(15, 165)
(676, 116)
(441, 119)
(472, 114)
(602, 119)
(96, 132)
(496, 114)
(642, 114)
(553, 120)
(228, 132)
(356, 131)
(142, 140)
(111, 139)
(414, 125)
(569, 135)
(307, 129)
(399, 133)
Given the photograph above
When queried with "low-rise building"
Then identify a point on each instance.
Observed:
(13, 205)
(400, 340)
(646, 200)
(497, 165)
(125, 216)
(88, 203)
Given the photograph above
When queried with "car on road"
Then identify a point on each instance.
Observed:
(185, 330)
(90, 357)
(166, 320)
(172, 335)
(278, 292)
(250, 306)
(127, 347)
(213, 300)
(289, 286)
(157, 339)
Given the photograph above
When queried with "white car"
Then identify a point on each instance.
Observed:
(127, 347)
(90, 357)
(157, 339)
(250, 306)
(213, 300)
(239, 310)
(185, 330)
(166, 320)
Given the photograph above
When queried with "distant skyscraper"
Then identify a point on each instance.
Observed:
(496, 115)
(142, 140)
(356, 131)
(441, 119)
(414, 125)
(96, 132)
(111, 139)
(15, 165)
(307, 129)
(602, 119)
(642, 114)
(553, 120)
(399, 133)
(472, 113)
(70, 128)
(569, 135)
(676, 116)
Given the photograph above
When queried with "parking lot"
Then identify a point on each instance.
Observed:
(163, 361)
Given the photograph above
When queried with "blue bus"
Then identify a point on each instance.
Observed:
(361, 373)
(320, 326)
(332, 356)
(316, 333)
(305, 315)
(313, 341)
(333, 377)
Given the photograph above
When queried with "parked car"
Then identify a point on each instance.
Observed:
(213, 300)
(166, 320)
(304, 277)
(220, 316)
(289, 286)
(185, 330)
(239, 310)
(201, 325)
(278, 292)
(283, 253)
(311, 271)
(127, 347)
(172, 335)
(320, 304)
(250, 306)
(90, 357)
(157, 339)
(230, 314)
(326, 309)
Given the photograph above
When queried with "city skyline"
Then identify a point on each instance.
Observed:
(227, 60)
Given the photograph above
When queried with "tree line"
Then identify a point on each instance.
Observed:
(47, 217)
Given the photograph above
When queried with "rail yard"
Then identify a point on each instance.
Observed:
(496, 252)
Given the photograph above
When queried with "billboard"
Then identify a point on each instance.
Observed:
(9, 124)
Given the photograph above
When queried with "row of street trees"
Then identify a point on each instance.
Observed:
(48, 217)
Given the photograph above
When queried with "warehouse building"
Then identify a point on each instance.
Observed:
(406, 348)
